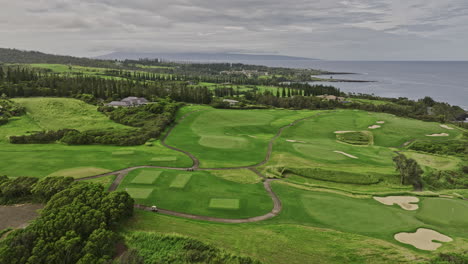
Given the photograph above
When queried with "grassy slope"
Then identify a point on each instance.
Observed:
(195, 197)
(225, 138)
(57, 113)
(279, 243)
(320, 142)
(40, 160)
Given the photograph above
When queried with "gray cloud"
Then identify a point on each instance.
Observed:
(329, 29)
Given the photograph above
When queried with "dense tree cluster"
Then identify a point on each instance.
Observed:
(27, 82)
(9, 109)
(16, 190)
(76, 225)
(447, 147)
(409, 170)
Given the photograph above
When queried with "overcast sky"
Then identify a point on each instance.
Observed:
(325, 29)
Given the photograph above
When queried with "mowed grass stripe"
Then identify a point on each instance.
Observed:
(219, 203)
(146, 177)
(180, 181)
(139, 193)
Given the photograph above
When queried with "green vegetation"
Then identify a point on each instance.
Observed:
(146, 177)
(105, 181)
(410, 171)
(356, 137)
(155, 248)
(60, 113)
(443, 211)
(9, 109)
(76, 225)
(227, 138)
(139, 193)
(192, 193)
(40, 160)
(330, 164)
(231, 204)
(180, 181)
(336, 176)
(272, 242)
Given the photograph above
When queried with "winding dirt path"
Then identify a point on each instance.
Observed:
(277, 206)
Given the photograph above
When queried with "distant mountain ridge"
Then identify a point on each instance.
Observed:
(196, 56)
(22, 56)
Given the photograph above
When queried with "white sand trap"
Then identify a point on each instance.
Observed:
(295, 141)
(439, 135)
(346, 154)
(343, 132)
(374, 127)
(423, 239)
(251, 136)
(380, 122)
(405, 202)
(446, 127)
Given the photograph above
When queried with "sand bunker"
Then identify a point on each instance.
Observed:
(343, 132)
(405, 202)
(439, 135)
(380, 122)
(447, 127)
(422, 239)
(295, 141)
(346, 154)
(374, 127)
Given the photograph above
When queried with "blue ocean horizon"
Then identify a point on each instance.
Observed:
(444, 81)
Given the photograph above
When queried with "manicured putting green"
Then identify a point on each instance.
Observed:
(231, 204)
(139, 193)
(164, 159)
(443, 211)
(180, 181)
(146, 177)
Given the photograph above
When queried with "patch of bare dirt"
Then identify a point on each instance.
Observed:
(18, 216)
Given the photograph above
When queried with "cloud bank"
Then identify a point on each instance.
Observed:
(332, 29)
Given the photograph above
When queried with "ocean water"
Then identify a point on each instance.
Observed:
(443, 81)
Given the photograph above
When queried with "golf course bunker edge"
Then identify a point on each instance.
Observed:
(405, 202)
(423, 239)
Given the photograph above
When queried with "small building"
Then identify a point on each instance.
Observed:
(331, 97)
(129, 102)
(231, 102)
